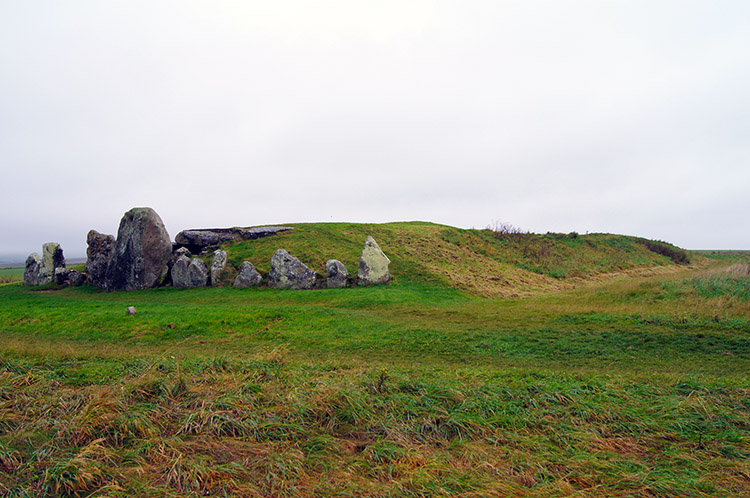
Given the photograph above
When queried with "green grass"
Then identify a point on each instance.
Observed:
(630, 385)
(477, 261)
(8, 275)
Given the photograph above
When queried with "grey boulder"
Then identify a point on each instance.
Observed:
(61, 276)
(288, 272)
(52, 259)
(142, 252)
(337, 274)
(99, 255)
(31, 273)
(373, 265)
(197, 273)
(179, 272)
(76, 278)
(218, 265)
(247, 277)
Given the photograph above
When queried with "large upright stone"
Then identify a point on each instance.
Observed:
(218, 265)
(288, 272)
(31, 273)
(247, 277)
(373, 265)
(99, 254)
(52, 258)
(337, 274)
(180, 272)
(197, 273)
(142, 252)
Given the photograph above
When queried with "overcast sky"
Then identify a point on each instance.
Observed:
(627, 117)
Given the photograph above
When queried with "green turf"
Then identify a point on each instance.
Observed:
(624, 386)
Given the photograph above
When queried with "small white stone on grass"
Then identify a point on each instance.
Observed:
(131, 310)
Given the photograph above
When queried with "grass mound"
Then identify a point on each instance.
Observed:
(481, 262)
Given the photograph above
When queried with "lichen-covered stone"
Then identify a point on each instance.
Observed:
(373, 265)
(52, 258)
(337, 274)
(179, 272)
(197, 273)
(288, 272)
(142, 252)
(99, 255)
(247, 277)
(218, 265)
(31, 273)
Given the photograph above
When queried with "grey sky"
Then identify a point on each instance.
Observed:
(616, 116)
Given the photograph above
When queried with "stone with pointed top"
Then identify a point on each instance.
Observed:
(373, 265)
(197, 273)
(247, 277)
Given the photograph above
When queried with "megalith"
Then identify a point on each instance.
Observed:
(31, 273)
(99, 254)
(180, 272)
(288, 272)
(218, 265)
(336, 274)
(142, 252)
(247, 277)
(52, 259)
(373, 265)
(197, 273)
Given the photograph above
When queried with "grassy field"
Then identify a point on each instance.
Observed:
(11, 274)
(631, 384)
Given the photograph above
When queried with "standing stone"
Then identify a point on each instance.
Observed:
(337, 274)
(180, 272)
(288, 272)
(197, 273)
(52, 258)
(373, 265)
(142, 252)
(218, 264)
(99, 254)
(247, 277)
(176, 253)
(31, 274)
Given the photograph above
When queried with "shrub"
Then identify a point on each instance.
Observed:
(674, 253)
(503, 230)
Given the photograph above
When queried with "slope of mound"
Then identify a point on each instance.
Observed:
(478, 261)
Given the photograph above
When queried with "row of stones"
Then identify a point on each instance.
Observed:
(287, 272)
(141, 257)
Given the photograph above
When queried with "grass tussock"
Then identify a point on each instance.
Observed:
(312, 429)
